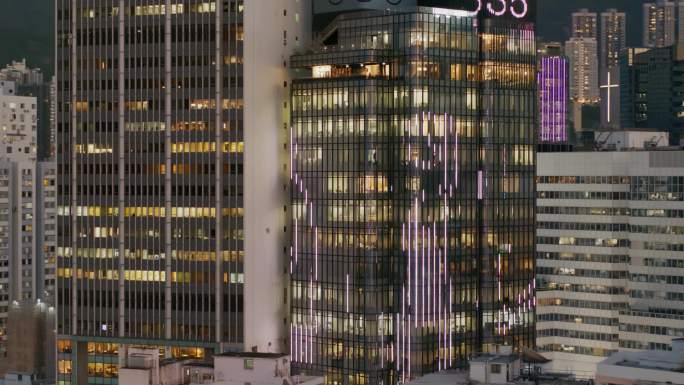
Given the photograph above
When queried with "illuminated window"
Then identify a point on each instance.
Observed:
(64, 367)
(321, 71)
(137, 105)
(457, 71)
(81, 106)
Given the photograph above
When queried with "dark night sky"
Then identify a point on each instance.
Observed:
(26, 26)
(26, 30)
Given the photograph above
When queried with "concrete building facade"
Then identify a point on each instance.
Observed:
(27, 221)
(610, 228)
(171, 121)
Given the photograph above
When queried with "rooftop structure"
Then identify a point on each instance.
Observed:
(21, 73)
(631, 139)
(143, 367)
(499, 368)
(644, 367)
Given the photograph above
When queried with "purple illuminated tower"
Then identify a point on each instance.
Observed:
(552, 80)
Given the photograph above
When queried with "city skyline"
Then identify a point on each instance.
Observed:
(33, 41)
(341, 192)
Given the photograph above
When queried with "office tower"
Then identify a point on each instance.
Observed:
(654, 90)
(584, 24)
(663, 23)
(412, 196)
(628, 87)
(583, 55)
(613, 38)
(609, 253)
(171, 120)
(552, 82)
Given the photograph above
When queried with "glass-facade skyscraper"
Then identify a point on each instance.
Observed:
(552, 80)
(412, 180)
(170, 129)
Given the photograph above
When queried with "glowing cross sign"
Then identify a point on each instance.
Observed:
(609, 88)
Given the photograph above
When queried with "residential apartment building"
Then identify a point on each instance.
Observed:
(610, 258)
(662, 23)
(613, 38)
(584, 75)
(584, 24)
(21, 73)
(30, 82)
(17, 152)
(412, 195)
(171, 120)
(27, 205)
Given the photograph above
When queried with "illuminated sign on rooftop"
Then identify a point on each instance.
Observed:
(516, 9)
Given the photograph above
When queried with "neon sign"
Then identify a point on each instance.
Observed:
(518, 9)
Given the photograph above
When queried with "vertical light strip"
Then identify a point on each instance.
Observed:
(480, 187)
(422, 275)
(346, 294)
(311, 321)
(415, 273)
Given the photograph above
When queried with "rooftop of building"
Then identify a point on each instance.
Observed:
(252, 355)
(185, 362)
(665, 361)
(495, 358)
(461, 377)
(326, 39)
